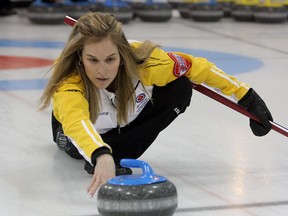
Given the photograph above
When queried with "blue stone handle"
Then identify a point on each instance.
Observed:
(147, 170)
(146, 177)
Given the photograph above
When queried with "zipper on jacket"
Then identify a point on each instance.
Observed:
(118, 126)
(119, 129)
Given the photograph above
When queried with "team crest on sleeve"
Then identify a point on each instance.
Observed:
(182, 65)
(140, 97)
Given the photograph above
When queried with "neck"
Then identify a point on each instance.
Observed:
(112, 87)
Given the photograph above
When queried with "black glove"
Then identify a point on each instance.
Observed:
(256, 106)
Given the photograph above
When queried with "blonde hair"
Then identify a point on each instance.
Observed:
(96, 26)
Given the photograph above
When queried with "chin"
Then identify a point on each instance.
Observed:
(101, 87)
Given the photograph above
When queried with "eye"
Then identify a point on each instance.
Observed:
(93, 60)
(111, 59)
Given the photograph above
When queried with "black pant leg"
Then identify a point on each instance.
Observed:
(167, 103)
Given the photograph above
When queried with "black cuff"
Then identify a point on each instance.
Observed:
(98, 152)
(247, 98)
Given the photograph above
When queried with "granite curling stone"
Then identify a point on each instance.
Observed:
(184, 9)
(150, 11)
(120, 9)
(46, 12)
(270, 12)
(206, 11)
(76, 8)
(143, 194)
(243, 10)
(226, 6)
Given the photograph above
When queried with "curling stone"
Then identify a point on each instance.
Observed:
(150, 11)
(285, 3)
(184, 9)
(120, 9)
(174, 3)
(286, 6)
(243, 10)
(76, 8)
(270, 12)
(143, 194)
(206, 10)
(226, 6)
(50, 12)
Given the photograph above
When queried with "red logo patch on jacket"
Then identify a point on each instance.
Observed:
(140, 97)
(182, 65)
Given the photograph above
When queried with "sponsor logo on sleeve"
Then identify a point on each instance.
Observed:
(181, 66)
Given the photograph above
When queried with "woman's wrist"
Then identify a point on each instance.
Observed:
(98, 152)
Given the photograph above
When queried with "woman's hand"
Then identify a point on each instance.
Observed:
(255, 105)
(104, 170)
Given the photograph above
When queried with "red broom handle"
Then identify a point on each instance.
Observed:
(70, 21)
(212, 94)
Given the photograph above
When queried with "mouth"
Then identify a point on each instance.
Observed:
(102, 79)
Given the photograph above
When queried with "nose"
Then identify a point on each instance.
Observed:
(101, 69)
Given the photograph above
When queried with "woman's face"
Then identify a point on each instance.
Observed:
(101, 61)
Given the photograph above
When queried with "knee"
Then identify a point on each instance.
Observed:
(175, 94)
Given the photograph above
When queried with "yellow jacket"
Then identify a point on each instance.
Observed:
(71, 108)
